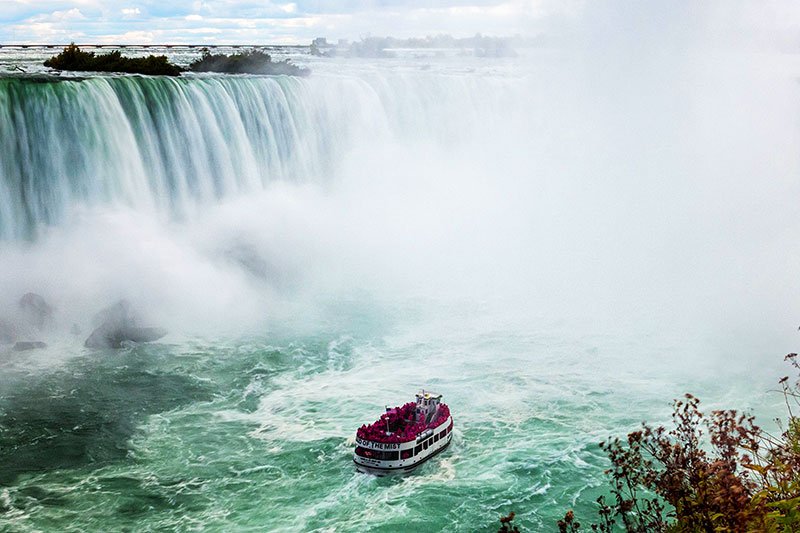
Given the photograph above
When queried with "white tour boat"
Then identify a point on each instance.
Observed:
(404, 437)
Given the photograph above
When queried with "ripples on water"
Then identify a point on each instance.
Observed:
(256, 434)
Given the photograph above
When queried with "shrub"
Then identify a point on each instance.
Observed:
(715, 473)
(73, 58)
(506, 525)
(251, 62)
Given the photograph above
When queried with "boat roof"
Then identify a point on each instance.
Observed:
(428, 395)
(404, 429)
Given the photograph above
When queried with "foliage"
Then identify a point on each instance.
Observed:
(715, 473)
(73, 58)
(710, 473)
(704, 490)
(506, 526)
(568, 525)
(250, 62)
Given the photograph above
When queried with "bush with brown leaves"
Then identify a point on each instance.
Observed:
(717, 473)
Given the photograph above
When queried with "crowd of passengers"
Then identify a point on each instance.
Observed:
(401, 424)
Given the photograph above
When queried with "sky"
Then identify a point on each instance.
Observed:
(251, 21)
(300, 21)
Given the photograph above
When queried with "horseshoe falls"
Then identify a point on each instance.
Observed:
(559, 243)
(169, 146)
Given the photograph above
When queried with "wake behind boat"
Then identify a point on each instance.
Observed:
(404, 437)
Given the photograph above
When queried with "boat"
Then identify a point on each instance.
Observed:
(404, 437)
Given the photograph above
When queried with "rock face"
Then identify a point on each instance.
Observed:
(119, 323)
(23, 346)
(35, 310)
(122, 311)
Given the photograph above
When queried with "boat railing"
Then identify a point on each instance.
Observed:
(399, 425)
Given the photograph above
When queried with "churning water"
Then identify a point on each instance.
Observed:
(560, 243)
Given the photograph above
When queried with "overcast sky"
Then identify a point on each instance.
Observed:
(299, 21)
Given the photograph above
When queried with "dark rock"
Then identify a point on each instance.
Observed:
(24, 346)
(36, 310)
(149, 334)
(118, 324)
(113, 336)
(120, 312)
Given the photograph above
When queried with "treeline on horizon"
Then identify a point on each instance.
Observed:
(714, 473)
(72, 58)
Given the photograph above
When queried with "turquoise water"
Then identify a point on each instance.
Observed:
(257, 433)
(557, 249)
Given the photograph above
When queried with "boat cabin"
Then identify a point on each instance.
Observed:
(404, 437)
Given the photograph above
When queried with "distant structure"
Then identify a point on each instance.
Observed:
(321, 47)
(378, 47)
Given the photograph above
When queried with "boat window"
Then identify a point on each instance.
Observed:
(436, 437)
(425, 444)
(418, 449)
(378, 454)
(405, 454)
(363, 452)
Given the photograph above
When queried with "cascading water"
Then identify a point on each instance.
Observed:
(158, 145)
(171, 146)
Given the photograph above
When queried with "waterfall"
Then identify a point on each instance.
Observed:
(171, 146)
